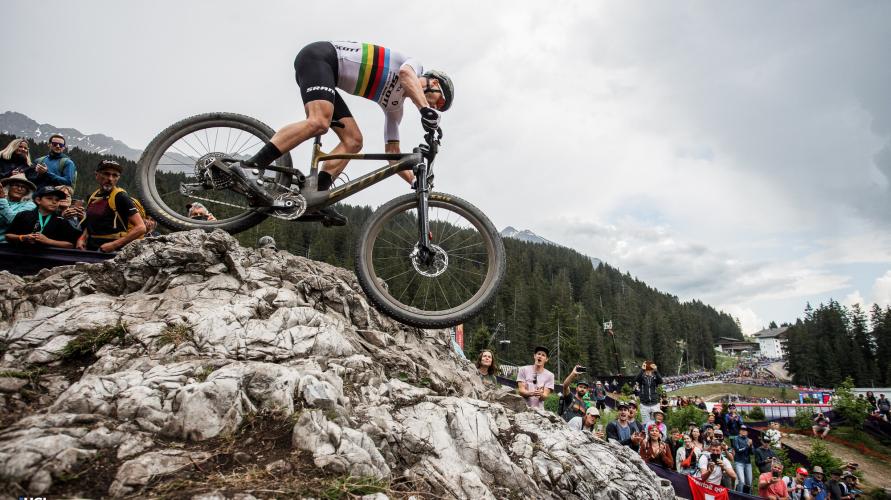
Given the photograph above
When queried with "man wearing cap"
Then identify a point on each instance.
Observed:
(795, 485)
(41, 227)
(764, 454)
(624, 430)
(535, 382)
(15, 198)
(742, 454)
(771, 485)
(110, 223)
(588, 423)
(814, 484)
(732, 421)
(573, 403)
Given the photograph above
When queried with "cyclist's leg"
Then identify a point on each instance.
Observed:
(315, 69)
(350, 141)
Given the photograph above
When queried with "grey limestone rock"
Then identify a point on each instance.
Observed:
(215, 333)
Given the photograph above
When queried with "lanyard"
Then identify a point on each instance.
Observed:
(42, 222)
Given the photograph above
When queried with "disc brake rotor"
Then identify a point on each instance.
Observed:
(433, 265)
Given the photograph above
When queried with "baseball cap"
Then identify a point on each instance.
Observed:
(592, 411)
(818, 469)
(657, 410)
(50, 190)
(621, 406)
(743, 428)
(109, 164)
(542, 349)
(801, 470)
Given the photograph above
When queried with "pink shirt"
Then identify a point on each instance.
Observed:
(542, 380)
(777, 488)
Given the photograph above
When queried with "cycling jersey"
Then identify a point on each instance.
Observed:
(362, 69)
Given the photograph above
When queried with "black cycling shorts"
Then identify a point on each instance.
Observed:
(315, 69)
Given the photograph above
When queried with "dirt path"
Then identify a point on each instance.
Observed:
(875, 472)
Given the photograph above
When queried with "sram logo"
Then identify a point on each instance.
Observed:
(319, 87)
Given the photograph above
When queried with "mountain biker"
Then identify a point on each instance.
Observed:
(371, 71)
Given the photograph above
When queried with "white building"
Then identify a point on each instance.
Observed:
(772, 342)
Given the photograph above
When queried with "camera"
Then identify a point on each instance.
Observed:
(200, 217)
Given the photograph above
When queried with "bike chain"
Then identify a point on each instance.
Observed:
(272, 213)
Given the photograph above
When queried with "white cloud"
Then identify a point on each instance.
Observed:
(881, 290)
(749, 320)
(854, 298)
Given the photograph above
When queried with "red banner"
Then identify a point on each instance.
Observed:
(459, 335)
(707, 491)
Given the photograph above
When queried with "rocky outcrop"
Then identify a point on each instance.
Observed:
(158, 363)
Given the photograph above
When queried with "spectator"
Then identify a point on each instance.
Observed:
(625, 431)
(872, 400)
(16, 159)
(696, 437)
(198, 211)
(151, 227)
(632, 413)
(850, 482)
(648, 381)
(487, 368)
(269, 242)
(113, 220)
(771, 484)
(821, 426)
(732, 421)
(742, 459)
(55, 168)
(655, 450)
(534, 382)
(709, 422)
(71, 212)
(764, 455)
(687, 456)
(774, 435)
(659, 421)
(41, 227)
(795, 485)
(588, 423)
(713, 466)
(599, 394)
(700, 403)
(835, 486)
(573, 403)
(884, 407)
(15, 198)
(814, 484)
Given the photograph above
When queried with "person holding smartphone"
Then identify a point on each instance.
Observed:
(771, 484)
(535, 382)
(713, 466)
(573, 402)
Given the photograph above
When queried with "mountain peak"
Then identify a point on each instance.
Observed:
(21, 125)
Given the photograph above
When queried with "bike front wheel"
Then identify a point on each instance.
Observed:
(441, 289)
(173, 172)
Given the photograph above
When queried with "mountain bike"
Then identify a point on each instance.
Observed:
(427, 259)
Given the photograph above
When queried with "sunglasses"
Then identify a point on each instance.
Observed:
(58, 144)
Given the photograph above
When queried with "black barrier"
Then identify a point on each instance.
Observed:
(25, 261)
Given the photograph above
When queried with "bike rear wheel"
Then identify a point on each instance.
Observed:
(463, 277)
(181, 155)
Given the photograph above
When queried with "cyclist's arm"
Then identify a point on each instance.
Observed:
(393, 147)
(412, 86)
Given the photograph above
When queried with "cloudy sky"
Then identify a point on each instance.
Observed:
(734, 152)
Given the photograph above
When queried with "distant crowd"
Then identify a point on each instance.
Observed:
(719, 452)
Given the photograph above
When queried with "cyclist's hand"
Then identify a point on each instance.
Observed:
(429, 119)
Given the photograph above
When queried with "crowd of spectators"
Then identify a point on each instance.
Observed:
(720, 451)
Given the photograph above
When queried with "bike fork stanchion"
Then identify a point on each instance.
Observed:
(423, 222)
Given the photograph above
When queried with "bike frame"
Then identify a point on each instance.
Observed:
(414, 161)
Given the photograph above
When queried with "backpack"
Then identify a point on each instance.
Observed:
(117, 215)
(62, 161)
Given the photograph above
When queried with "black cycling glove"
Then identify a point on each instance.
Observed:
(429, 119)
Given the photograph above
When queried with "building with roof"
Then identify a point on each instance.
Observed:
(736, 347)
(772, 342)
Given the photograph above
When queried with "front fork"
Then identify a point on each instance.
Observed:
(425, 238)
